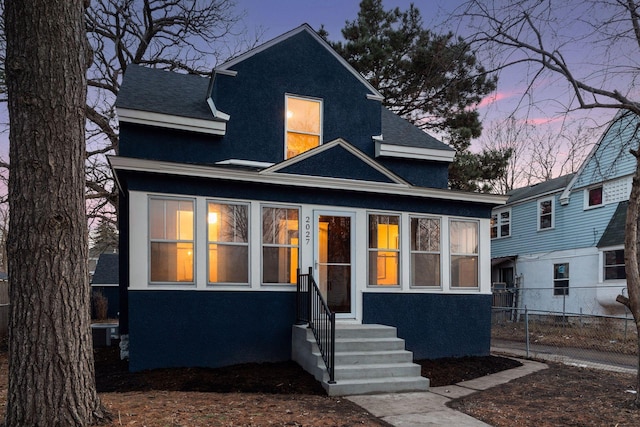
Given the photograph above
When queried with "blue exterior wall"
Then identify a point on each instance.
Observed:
(574, 227)
(434, 325)
(267, 192)
(208, 329)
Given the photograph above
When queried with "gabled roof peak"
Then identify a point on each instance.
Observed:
(306, 28)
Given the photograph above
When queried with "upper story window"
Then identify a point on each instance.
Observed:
(171, 240)
(594, 197)
(545, 213)
(501, 223)
(384, 250)
(303, 125)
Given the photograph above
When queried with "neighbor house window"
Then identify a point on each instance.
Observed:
(545, 214)
(303, 125)
(279, 245)
(501, 224)
(464, 253)
(561, 279)
(228, 242)
(614, 265)
(171, 241)
(425, 251)
(384, 250)
(594, 197)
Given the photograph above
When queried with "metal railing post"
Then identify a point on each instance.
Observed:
(332, 352)
(526, 329)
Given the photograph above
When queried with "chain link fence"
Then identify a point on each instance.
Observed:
(571, 327)
(4, 309)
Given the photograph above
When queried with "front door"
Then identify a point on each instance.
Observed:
(334, 254)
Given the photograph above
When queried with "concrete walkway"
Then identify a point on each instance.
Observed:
(429, 408)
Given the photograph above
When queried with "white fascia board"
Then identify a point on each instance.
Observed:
(389, 150)
(212, 172)
(213, 127)
(217, 113)
(241, 162)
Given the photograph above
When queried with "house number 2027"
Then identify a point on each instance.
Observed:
(307, 229)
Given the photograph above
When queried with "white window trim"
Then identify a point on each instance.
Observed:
(477, 255)
(586, 197)
(554, 280)
(601, 265)
(411, 252)
(499, 223)
(399, 250)
(262, 245)
(539, 213)
(149, 240)
(247, 244)
(288, 96)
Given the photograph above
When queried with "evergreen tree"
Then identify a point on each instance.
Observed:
(432, 80)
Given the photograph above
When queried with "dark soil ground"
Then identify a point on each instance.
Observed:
(249, 394)
(112, 375)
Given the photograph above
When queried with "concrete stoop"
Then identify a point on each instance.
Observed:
(369, 359)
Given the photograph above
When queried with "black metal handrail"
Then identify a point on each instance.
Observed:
(311, 308)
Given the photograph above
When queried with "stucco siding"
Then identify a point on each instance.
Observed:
(432, 325)
(208, 329)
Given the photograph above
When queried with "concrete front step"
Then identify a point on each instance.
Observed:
(377, 370)
(368, 344)
(376, 386)
(368, 359)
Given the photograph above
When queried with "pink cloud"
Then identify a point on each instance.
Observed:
(543, 120)
(495, 97)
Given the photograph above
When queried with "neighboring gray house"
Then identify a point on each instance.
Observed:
(562, 241)
(105, 280)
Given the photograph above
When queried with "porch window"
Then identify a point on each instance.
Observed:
(614, 265)
(425, 252)
(228, 243)
(501, 224)
(303, 125)
(561, 279)
(279, 245)
(464, 253)
(171, 241)
(545, 214)
(384, 250)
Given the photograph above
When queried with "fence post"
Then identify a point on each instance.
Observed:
(526, 329)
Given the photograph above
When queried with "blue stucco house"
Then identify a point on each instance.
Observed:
(561, 242)
(285, 159)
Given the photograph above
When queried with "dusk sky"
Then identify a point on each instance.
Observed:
(279, 16)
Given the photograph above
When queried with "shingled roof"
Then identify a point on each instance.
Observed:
(166, 92)
(398, 131)
(614, 233)
(106, 270)
(546, 187)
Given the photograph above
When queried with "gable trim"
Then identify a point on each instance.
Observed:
(418, 153)
(566, 194)
(118, 163)
(213, 127)
(374, 95)
(344, 144)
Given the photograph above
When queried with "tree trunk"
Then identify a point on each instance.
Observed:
(51, 374)
(632, 261)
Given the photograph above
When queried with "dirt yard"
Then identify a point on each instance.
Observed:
(282, 394)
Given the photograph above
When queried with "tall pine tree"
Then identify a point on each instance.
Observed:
(432, 80)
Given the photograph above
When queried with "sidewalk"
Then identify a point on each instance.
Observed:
(429, 408)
